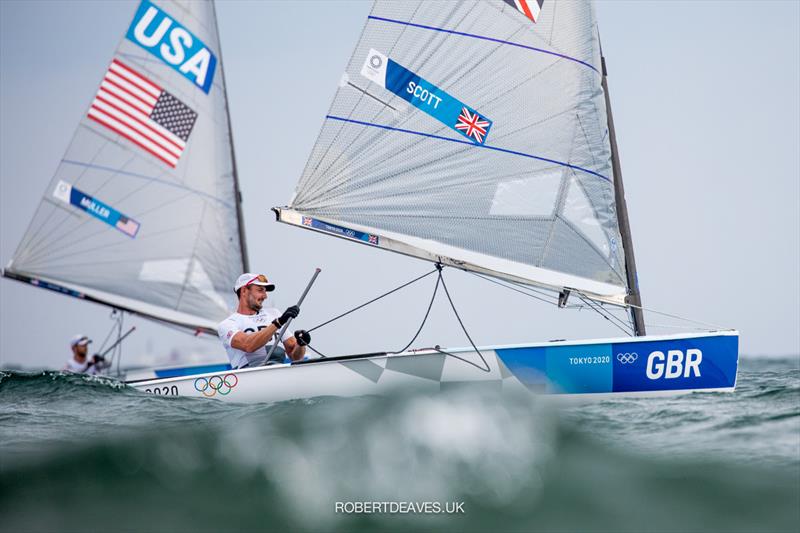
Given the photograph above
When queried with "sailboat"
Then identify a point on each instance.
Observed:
(474, 135)
(143, 213)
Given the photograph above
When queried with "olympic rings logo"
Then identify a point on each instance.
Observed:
(627, 358)
(216, 384)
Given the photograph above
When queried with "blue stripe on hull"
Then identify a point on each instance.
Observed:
(708, 362)
(191, 370)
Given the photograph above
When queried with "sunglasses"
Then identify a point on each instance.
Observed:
(261, 277)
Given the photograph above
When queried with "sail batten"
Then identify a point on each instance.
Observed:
(485, 38)
(467, 143)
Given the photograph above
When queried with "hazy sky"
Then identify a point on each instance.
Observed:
(706, 102)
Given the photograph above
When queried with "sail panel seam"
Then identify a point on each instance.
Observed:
(149, 178)
(468, 143)
(484, 38)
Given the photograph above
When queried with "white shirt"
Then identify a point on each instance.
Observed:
(80, 368)
(237, 322)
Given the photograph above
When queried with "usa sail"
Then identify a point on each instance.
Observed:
(143, 211)
(470, 134)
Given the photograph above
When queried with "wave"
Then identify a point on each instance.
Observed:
(85, 452)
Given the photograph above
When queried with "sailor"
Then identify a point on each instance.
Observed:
(79, 363)
(248, 334)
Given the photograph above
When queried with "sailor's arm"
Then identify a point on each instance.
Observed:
(250, 342)
(293, 349)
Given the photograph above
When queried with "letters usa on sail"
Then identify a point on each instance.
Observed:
(158, 33)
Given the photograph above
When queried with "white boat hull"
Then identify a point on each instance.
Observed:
(643, 365)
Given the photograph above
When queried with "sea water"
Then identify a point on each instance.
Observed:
(81, 453)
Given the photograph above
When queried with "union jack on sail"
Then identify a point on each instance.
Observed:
(472, 125)
(529, 8)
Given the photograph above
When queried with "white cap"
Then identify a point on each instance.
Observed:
(248, 278)
(83, 340)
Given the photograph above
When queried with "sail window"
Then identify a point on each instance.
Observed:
(534, 196)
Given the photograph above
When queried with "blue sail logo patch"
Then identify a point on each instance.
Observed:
(161, 35)
(69, 194)
(425, 96)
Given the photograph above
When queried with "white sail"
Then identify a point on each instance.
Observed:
(143, 210)
(468, 133)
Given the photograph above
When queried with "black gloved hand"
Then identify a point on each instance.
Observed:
(97, 358)
(303, 337)
(290, 313)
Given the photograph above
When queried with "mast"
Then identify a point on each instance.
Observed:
(634, 297)
(236, 189)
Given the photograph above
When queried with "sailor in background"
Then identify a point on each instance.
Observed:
(79, 362)
(248, 333)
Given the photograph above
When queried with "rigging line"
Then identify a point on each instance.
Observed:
(468, 143)
(424, 319)
(113, 317)
(484, 38)
(439, 279)
(678, 317)
(616, 322)
(602, 312)
(672, 326)
(371, 301)
(496, 282)
(531, 289)
(323, 356)
(117, 353)
(464, 329)
(608, 316)
(545, 295)
(454, 356)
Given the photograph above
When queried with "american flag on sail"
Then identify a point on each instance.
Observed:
(529, 8)
(136, 108)
(127, 226)
(472, 125)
